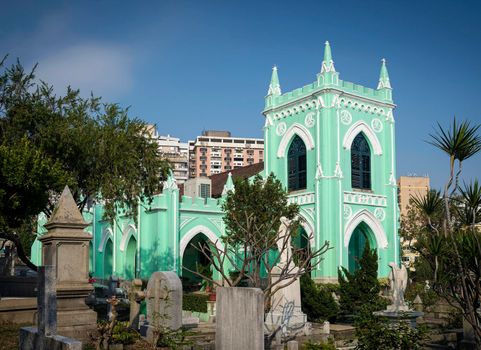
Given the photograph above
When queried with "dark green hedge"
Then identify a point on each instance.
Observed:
(195, 302)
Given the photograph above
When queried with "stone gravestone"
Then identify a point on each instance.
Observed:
(66, 248)
(164, 302)
(44, 336)
(239, 319)
(136, 296)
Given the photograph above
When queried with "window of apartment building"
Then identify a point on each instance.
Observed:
(227, 167)
(203, 174)
(204, 190)
(238, 159)
(203, 149)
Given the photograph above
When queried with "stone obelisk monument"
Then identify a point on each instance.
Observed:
(66, 248)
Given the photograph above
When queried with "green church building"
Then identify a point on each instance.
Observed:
(331, 143)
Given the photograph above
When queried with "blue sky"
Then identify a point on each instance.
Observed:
(194, 65)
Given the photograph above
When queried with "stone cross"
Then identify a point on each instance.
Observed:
(135, 297)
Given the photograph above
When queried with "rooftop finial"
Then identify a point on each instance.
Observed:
(384, 76)
(327, 63)
(274, 86)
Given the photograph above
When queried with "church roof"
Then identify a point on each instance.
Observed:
(219, 180)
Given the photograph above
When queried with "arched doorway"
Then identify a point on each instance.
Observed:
(297, 165)
(108, 258)
(131, 258)
(361, 234)
(194, 260)
(300, 244)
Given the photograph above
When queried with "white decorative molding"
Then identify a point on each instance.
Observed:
(380, 214)
(356, 128)
(319, 172)
(127, 232)
(185, 220)
(309, 121)
(359, 105)
(217, 223)
(106, 234)
(364, 198)
(338, 171)
(295, 129)
(301, 198)
(392, 180)
(376, 125)
(347, 212)
(268, 122)
(281, 129)
(309, 228)
(370, 220)
(328, 67)
(346, 117)
(390, 116)
(195, 231)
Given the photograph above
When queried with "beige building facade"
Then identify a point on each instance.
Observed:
(411, 186)
(217, 151)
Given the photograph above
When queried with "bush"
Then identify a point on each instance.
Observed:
(317, 301)
(428, 297)
(361, 286)
(123, 334)
(319, 346)
(374, 332)
(195, 302)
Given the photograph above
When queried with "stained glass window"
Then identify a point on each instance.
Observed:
(297, 165)
(360, 163)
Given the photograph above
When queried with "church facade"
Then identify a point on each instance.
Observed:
(331, 143)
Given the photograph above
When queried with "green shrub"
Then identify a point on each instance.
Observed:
(123, 334)
(375, 332)
(195, 302)
(361, 286)
(317, 302)
(428, 297)
(319, 346)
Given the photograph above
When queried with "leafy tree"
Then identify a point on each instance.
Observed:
(254, 212)
(49, 141)
(361, 286)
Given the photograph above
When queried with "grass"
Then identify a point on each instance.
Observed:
(9, 335)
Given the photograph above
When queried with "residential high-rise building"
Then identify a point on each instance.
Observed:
(217, 151)
(408, 187)
(175, 151)
(411, 186)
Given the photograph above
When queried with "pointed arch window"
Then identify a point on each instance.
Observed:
(360, 163)
(297, 165)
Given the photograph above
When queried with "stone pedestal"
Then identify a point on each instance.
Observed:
(286, 307)
(66, 248)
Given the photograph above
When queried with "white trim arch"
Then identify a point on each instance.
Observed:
(194, 232)
(295, 129)
(370, 220)
(127, 232)
(106, 234)
(356, 128)
(308, 227)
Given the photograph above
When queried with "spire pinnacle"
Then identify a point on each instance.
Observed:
(274, 86)
(384, 77)
(229, 185)
(327, 62)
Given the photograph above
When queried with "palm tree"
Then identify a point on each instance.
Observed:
(460, 142)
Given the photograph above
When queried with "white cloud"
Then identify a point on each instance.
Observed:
(105, 69)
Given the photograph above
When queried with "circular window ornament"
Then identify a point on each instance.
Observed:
(346, 117)
(281, 129)
(376, 125)
(347, 212)
(310, 121)
(380, 214)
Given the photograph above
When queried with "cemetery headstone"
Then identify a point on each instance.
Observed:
(239, 319)
(66, 248)
(136, 296)
(164, 302)
(44, 337)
